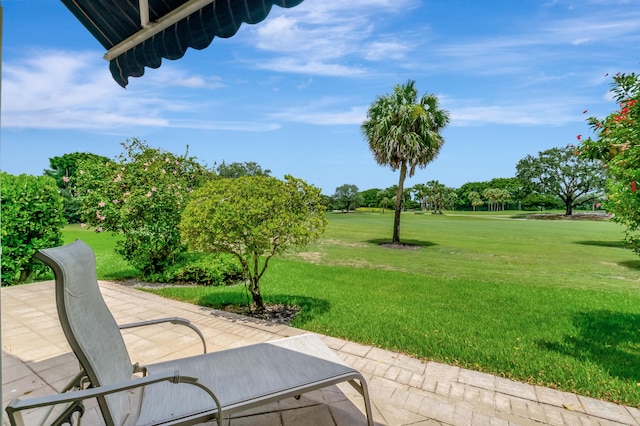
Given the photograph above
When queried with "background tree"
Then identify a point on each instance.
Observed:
(403, 131)
(141, 195)
(254, 218)
(496, 198)
(234, 170)
(436, 196)
(370, 197)
(474, 199)
(563, 173)
(419, 191)
(347, 197)
(617, 145)
(63, 169)
(32, 218)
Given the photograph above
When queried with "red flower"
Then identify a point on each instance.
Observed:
(632, 102)
(633, 186)
(579, 137)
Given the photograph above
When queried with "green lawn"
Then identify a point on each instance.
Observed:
(555, 303)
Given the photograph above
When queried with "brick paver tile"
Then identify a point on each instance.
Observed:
(606, 410)
(442, 371)
(477, 379)
(464, 416)
(558, 398)
(510, 387)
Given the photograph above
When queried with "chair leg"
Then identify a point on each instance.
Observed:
(364, 391)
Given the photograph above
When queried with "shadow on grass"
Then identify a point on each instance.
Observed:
(609, 339)
(310, 307)
(407, 242)
(631, 264)
(615, 244)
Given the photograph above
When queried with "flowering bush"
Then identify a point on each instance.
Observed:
(617, 144)
(141, 195)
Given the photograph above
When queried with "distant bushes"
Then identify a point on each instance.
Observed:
(371, 210)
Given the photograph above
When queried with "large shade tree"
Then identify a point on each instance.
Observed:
(561, 172)
(403, 131)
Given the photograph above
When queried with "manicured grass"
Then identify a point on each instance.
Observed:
(555, 303)
(109, 265)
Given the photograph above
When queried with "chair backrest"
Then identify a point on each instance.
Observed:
(88, 324)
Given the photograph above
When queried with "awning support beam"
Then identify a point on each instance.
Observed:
(152, 29)
(144, 13)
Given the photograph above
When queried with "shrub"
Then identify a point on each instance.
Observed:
(141, 195)
(204, 269)
(369, 210)
(32, 218)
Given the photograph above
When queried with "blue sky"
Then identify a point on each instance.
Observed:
(291, 92)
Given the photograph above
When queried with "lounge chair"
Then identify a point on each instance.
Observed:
(190, 390)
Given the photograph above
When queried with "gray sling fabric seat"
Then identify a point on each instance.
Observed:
(189, 390)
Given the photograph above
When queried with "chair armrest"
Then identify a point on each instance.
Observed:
(173, 320)
(17, 405)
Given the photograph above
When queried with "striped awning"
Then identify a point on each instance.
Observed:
(139, 33)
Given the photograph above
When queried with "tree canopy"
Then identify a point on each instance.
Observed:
(234, 170)
(254, 218)
(403, 132)
(347, 197)
(563, 173)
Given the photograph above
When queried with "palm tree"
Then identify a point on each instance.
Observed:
(403, 132)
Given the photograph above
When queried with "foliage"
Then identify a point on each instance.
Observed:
(474, 199)
(63, 169)
(369, 210)
(347, 197)
(254, 218)
(496, 198)
(371, 197)
(562, 173)
(32, 218)
(141, 195)
(617, 144)
(234, 170)
(204, 269)
(403, 132)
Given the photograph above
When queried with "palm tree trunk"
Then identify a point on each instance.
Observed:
(396, 219)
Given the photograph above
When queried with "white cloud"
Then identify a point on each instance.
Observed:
(320, 37)
(74, 90)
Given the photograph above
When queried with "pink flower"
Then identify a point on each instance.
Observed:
(101, 204)
(65, 179)
(164, 171)
(115, 201)
(81, 172)
(598, 205)
(154, 189)
(148, 194)
(82, 225)
(99, 229)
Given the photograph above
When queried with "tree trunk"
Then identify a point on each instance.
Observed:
(569, 205)
(257, 297)
(396, 219)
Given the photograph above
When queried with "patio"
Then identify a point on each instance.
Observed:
(36, 360)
